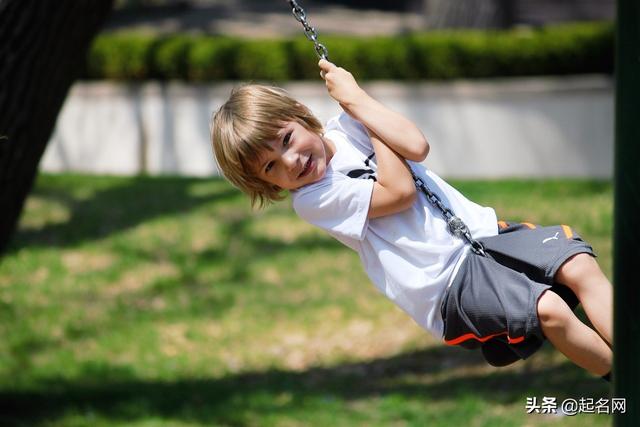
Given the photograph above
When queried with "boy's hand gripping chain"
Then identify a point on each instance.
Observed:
(309, 31)
(457, 227)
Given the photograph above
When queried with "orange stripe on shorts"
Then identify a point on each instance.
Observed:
(528, 224)
(465, 337)
(567, 231)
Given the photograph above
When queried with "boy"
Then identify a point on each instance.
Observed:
(355, 180)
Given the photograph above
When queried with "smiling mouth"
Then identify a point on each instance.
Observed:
(306, 169)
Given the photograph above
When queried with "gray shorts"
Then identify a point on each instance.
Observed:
(492, 302)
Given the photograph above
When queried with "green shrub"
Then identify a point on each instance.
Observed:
(121, 57)
(171, 57)
(584, 47)
(345, 52)
(302, 58)
(262, 60)
(387, 58)
(435, 56)
(561, 49)
(209, 59)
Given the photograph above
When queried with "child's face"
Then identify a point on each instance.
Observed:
(299, 157)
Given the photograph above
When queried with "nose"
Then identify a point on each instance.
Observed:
(290, 160)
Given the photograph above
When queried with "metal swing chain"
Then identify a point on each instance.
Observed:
(457, 227)
(309, 31)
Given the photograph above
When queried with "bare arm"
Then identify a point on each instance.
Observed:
(395, 190)
(394, 138)
(395, 130)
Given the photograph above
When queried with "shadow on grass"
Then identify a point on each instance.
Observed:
(237, 399)
(122, 204)
(128, 202)
(114, 392)
(112, 205)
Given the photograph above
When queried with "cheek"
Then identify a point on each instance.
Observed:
(275, 179)
(280, 177)
(315, 142)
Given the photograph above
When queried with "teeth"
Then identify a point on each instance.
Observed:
(306, 166)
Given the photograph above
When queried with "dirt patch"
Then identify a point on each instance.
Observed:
(137, 279)
(82, 261)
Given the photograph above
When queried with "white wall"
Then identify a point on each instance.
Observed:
(526, 127)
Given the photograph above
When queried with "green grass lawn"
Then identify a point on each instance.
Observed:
(167, 301)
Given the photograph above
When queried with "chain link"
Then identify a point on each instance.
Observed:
(456, 226)
(309, 31)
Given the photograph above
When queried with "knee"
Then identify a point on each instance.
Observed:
(577, 270)
(553, 312)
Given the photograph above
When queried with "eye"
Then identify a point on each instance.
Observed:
(268, 167)
(286, 139)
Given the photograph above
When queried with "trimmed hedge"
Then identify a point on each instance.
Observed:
(553, 50)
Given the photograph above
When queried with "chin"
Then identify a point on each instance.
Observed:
(320, 172)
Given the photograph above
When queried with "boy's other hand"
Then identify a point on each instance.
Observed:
(341, 84)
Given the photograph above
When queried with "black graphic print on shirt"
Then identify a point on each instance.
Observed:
(367, 172)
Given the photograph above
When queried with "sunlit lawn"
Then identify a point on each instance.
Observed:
(167, 301)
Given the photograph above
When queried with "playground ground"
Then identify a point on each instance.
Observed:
(168, 302)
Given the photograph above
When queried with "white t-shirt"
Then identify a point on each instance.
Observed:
(410, 256)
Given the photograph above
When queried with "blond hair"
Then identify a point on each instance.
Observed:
(241, 129)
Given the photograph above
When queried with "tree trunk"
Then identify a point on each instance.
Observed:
(42, 50)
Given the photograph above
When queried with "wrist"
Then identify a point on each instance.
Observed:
(357, 98)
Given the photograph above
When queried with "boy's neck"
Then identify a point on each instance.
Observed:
(329, 148)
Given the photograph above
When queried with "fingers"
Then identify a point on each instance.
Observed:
(325, 65)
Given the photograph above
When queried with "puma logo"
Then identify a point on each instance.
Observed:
(551, 238)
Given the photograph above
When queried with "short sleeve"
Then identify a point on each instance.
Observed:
(337, 204)
(357, 132)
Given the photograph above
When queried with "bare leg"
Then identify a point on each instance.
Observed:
(581, 344)
(582, 274)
